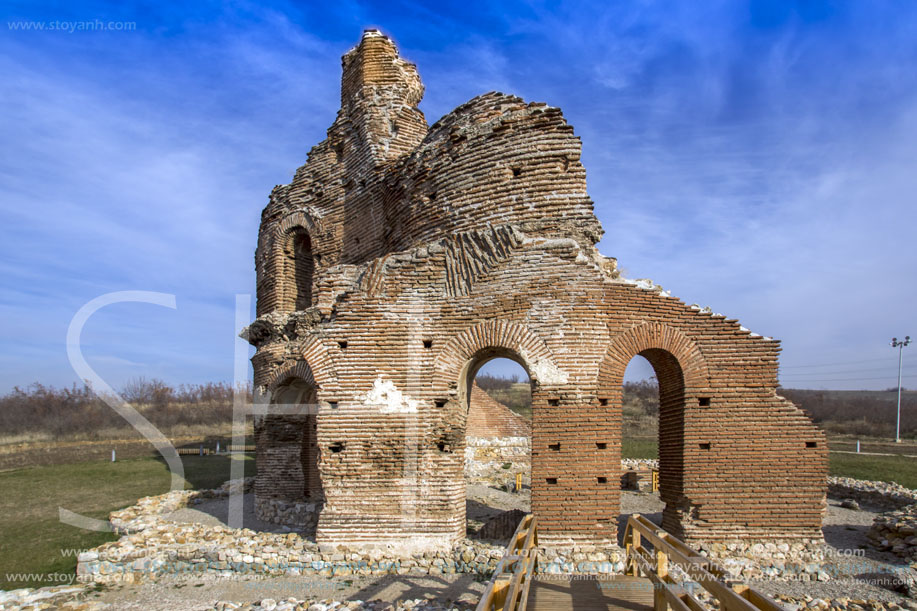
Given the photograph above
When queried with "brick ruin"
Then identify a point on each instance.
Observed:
(403, 256)
(491, 419)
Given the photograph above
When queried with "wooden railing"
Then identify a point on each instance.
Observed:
(654, 564)
(194, 451)
(509, 587)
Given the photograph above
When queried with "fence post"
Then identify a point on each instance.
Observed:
(112, 456)
(662, 570)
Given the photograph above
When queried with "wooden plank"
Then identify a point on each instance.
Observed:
(618, 593)
(704, 571)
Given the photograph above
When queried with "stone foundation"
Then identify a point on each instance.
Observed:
(496, 461)
(896, 531)
(301, 516)
(876, 494)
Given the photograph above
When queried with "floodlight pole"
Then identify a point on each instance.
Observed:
(900, 346)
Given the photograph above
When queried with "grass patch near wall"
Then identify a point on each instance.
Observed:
(35, 545)
(639, 448)
(898, 469)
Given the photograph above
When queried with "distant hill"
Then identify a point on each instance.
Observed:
(845, 412)
(858, 412)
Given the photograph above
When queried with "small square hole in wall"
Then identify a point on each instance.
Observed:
(440, 403)
(318, 258)
(343, 345)
(602, 480)
(333, 404)
(601, 445)
(443, 447)
(336, 447)
(553, 402)
(703, 401)
(603, 401)
(517, 172)
(554, 446)
(551, 480)
(433, 196)
(704, 446)
(428, 343)
(811, 444)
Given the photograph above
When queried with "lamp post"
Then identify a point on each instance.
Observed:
(900, 346)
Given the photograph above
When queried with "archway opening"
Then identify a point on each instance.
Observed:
(640, 411)
(298, 398)
(652, 443)
(498, 400)
(299, 267)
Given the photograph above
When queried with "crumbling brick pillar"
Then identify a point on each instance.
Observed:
(575, 481)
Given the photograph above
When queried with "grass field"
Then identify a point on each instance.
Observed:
(898, 469)
(517, 397)
(33, 540)
(639, 448)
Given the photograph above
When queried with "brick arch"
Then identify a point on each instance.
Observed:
(297, 456)
(650, 336)
(298, 218)
(509, 337)
(323, 367)
(271, 240)
(682, 374)
(314, 365)
(275, 295)
(299, 370)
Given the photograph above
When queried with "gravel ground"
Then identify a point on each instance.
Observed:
(855, 577)
(215, 512)
(203, 594)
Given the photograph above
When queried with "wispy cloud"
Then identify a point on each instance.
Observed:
(756, 157)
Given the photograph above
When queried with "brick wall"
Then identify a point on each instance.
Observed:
(436, 250)
(489, 418)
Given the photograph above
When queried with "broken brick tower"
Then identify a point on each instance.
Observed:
(403, 256)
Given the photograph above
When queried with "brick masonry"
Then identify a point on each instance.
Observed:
(402, 257)
(488, 418)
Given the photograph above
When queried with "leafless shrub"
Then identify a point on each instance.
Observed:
(857, 412)
(63, 412)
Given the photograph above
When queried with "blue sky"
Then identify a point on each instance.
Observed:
(756, 157)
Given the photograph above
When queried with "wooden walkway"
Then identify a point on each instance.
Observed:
(619, 592)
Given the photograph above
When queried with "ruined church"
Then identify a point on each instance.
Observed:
(403, 256)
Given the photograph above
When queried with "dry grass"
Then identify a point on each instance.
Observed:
(32, 538)
(41, 413)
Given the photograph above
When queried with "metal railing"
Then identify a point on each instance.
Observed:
(509, 587)
(667, 591)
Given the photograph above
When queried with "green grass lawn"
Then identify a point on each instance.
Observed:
(899, 469)
(33, 540)
(639, 448)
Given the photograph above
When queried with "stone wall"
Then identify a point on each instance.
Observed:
(877, 494)
(438, 249)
